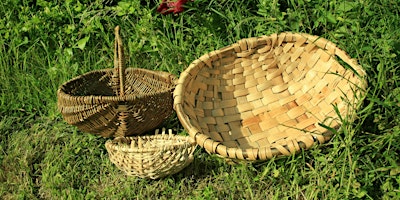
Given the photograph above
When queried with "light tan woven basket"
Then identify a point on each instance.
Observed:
(267, 96)
(153, 156)
(119, 101)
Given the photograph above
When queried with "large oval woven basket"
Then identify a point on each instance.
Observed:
(119, 101)
(267, 96)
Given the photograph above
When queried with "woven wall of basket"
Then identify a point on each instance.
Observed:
(267, 96)
(118, 101)
(151, 156)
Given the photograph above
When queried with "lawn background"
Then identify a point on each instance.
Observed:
(45, 43)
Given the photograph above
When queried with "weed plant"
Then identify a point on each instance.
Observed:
(45, 43)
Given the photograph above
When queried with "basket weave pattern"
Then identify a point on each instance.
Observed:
(266, 96)
(153, 156)
(118, 101)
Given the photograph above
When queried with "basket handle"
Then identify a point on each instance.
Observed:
(119, 62)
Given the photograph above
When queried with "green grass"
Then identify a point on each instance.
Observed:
(43, 44)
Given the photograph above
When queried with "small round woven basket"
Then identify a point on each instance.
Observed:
(268, 96)
(152, 156)
(119, 101)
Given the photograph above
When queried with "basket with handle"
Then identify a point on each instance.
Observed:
(119, 101)
(268, 96)
(151, 156)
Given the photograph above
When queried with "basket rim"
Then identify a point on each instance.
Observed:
(183, 141)
(213, 146)
(62, 92)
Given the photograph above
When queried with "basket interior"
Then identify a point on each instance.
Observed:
(99, 83)
(151, 142)
(269, 93)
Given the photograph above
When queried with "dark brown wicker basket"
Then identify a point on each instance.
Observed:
(268, 96)
(118, 101)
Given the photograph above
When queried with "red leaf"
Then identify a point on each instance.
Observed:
(167, 7)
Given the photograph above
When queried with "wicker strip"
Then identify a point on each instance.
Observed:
(153, 156)
(119, 66)
(266, 96)
(119, 101)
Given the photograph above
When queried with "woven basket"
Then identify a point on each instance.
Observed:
(267, 96)
(153, 156)
(119, 101)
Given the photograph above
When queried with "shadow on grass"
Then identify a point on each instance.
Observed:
(202, 167)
